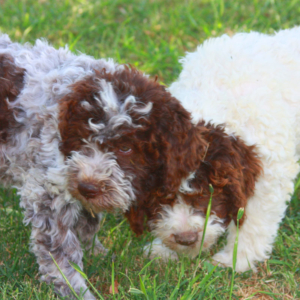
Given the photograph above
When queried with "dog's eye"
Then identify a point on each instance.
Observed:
(125, 150)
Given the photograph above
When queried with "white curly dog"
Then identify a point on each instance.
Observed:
(249, 82)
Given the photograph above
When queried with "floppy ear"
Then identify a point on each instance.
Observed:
(11, 84)
(11, 78)
(176, 150)
(242, 188)
(136, 217)
(232, 168)
(181, 146)
(236, 196)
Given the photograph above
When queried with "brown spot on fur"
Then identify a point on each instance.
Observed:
(185, 158)
(231, 167)
(74, 118)
(165, 147)
(228, 164)
(136, 218)
(11, 83)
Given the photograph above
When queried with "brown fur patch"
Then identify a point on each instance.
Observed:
(73, 118)
(231, 167)
(11, 83)
(227, 163)
(166, 147)
(185, 157)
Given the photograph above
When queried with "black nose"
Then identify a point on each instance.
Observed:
(88, 190)
(186, 238)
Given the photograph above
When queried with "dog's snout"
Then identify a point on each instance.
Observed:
(186, 238)
(88, 190)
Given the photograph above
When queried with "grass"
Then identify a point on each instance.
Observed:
(151, 35)
(235, 250)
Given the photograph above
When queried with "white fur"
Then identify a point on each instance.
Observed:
(184, 218)
(184, 187)
(250, 82)
(32, 161)
(99, 167)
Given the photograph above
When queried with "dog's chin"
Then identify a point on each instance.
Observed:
(212, 234)
(103, 202)
(99, 204)
(189, 250)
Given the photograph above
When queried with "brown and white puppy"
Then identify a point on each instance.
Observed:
(177, 222)
(79, 136)
(232, 168)
(250, 83)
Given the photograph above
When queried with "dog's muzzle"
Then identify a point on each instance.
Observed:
(186, 238)
(88, 190)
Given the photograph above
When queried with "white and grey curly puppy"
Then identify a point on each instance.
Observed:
(250, 83)
(79, 136)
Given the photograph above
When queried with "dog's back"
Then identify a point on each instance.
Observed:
(252, 72)
(33, 79)
(11, 84)
(250, 83)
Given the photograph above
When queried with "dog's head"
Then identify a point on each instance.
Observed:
(124, 138)
(232, 168)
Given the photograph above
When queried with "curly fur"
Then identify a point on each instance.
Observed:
(79, 136)
(249, 83)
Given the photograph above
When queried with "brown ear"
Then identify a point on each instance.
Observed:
(232, 168)
(251, 168)
(136, 218)
(74, 117)
(236, 197)
(11, 83)
(182, 146)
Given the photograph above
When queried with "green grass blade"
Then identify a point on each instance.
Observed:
(77, 268)
(113, 278)
(142, 285)
(135, 291)
(211, 189)
(148, 264)
(235, 249)
(65, 278)
(175, 291)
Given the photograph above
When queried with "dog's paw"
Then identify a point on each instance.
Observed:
(96, 249)
(222, 259)
(216, 263)
(158, 249)
(225, 259)
(63, 290)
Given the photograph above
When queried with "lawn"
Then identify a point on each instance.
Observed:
(151, 35)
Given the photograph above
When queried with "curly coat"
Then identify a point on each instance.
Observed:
(249, 83)
(79, 136)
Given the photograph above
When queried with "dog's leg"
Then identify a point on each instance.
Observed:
(65, 248)
(264, 212)
(52, 234)
(87, 228)
(53, 217)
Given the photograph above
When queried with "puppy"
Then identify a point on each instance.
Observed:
(250, 84)
(79, 136)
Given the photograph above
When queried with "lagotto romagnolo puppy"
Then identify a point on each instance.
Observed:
(249, 83)
(79, 136)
